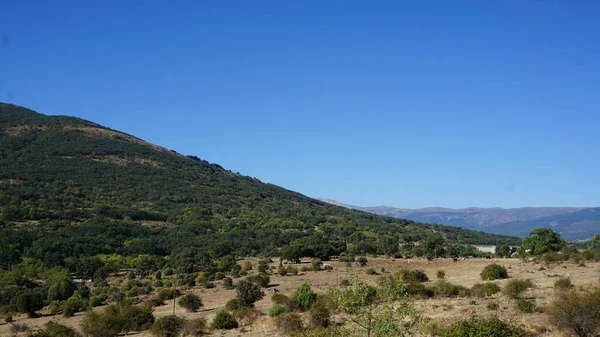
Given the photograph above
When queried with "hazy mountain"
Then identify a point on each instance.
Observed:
(572, 222)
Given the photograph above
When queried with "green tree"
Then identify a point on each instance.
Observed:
(503, 250)
(304, 297)
(191, 302)
(248, 292)
(540, 241)
(168, 326)
(30, 302)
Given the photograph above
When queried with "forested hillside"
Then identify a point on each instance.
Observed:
(72, 188)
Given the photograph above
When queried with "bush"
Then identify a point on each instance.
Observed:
(106, 323)
(370, 271)
(447, 289)
(484, 327)
(234, 304)
(246, 316)
(227, 283)
(485, 289)
(304, 297)
(494, 271)
(417, 289)
(276, 310)
(72, 305)
(135, 317)
(412, 275)
(248, 292)
(54, 329)
(96, 301)
(288, 322)
(261, 279)
(319, 315)
(577, 312)
(525, 306)
(195, 327)
(362, 261)
(29, 302)
(563, 283)
(282, 271)
(493, 306)
(168, 326)
(514, 288)
(224, 320)
(284, 301)
(440, 274)
(191, 302)
(167, 294)
(292, 270)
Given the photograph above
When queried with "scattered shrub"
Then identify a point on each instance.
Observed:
(493, 306)
(288, 322)
(71, 306)
(276, 310)
(167, 294)
(292, 270)
(224, 320)
(525, 306)
(362, 261)
(577, 312)
(246, 316)
(418, 290)
(563, 283)
(282, 270)
(484, 327)
(54, 329)
(344, 283)
(194, 327)
(234, 304)
(17, 328)
(168, 326)
(319, 315)
(412, 275)
(260, 279)
(440, 274)
(515, 287)
(494, 271)
(248, 292)
(304, 297)
(485, 289)
(447, 289)
(227, 283)
(370, 271)
(191, 302)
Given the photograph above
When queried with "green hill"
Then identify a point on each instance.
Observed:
(70, 188)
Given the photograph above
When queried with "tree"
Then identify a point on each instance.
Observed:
(540, 241)
(433, 245)
(594, 244)
(30, 302)
(304, 297)
(224, 320)
(191, 302)
(249, 292)
(503, 250)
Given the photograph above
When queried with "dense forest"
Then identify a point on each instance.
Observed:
(73, 192)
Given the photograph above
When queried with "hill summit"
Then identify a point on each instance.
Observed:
(101, 191)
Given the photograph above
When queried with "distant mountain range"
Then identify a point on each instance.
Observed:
(573, 223)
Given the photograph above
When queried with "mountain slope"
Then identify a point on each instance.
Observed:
(98, 190)
(571, 222)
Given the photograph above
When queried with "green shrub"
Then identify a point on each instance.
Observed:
(276, 310)
(563, 283)
(493, 306)
(494, 271)
(246, 316)
(224, 320)
(292, 270)
(485, 289)
(417, 289)
(525, 306)
(135, 317)
(440, 274)
(304, 297)
(484, 327)
(362, 261)
(53, 329)
(577, 312)
(228, 283)
(72, 305)
(261, 279)
(288, 322)
(282, 270)
(191, 302)
(370, 271)
(515, 287)
(412, 275)
(234, 304)
(167, 294)
(168, 326)
(447, 289)
(248, 292)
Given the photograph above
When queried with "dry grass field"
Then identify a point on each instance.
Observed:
(445, 310)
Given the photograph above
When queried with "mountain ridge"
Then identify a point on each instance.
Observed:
(509, 221)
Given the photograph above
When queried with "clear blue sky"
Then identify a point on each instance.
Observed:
(401, 103)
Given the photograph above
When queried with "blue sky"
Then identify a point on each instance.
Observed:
(401, 103)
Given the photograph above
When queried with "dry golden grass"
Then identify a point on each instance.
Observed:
(446, 310)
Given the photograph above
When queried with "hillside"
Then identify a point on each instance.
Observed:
(571, 222)
(100, 191)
